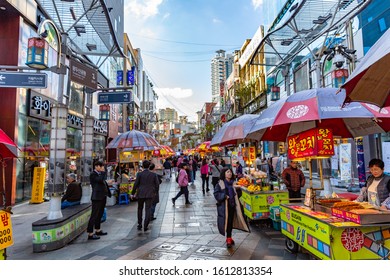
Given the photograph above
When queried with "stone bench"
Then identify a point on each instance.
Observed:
(50, 235)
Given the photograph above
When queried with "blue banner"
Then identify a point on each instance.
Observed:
(360, 161)
(119, 78)
(130, 76)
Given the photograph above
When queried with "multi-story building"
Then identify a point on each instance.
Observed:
(221, 67)
(91, 54)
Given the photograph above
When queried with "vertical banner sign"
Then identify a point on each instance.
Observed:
(252, 154)
(119, 78)
(38, 185)
(345, 161)
(334, 161)
(130, 76)
(6, 239)
(360, 161)
(386, 155)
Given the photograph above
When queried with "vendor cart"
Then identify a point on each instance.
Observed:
(257, 204)
(330, 237)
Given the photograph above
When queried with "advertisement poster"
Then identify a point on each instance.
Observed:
(386, 155)
(334, 162)
(345, 162)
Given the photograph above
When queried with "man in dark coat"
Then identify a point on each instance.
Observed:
(146, 185)
(72, 195)
(100, 191)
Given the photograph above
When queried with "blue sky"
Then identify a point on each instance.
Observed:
(178, 39)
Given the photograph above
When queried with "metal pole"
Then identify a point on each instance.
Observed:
(57, 161)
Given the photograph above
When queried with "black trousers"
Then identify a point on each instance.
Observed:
(205, 179)
(294, 194)
(96, 214)
(229, 227)
(148, 210)
(183, 190)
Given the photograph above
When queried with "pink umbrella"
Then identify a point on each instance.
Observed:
(134, 140)
(234, 131)
(321, 108)
(370, 81)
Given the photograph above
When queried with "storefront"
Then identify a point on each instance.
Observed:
(99, 139)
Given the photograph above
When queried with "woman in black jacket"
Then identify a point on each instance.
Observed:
(228, 207)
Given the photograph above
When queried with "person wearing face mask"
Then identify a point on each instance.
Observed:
(377, 188)
(228, 207)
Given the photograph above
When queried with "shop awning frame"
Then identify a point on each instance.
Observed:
(88, 25)
(299, 24)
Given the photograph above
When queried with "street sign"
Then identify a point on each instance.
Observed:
(114, 97)
(23, 80)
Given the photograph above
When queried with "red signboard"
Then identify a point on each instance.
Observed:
(316, 142)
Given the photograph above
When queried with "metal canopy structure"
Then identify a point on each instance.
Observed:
(87, 23)
(302, 22)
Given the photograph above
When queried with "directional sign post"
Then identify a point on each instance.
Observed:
(23, 80)
(114, 97)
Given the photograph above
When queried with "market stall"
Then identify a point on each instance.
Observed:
(348, 235)
(132, 148)
(258, 197)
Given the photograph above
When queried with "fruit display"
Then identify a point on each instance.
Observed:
(259, 175)
(253, 188)
(243, 182)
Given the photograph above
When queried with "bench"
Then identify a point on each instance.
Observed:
(49, 235)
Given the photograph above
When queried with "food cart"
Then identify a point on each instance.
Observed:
(346, 236)
(257, 196)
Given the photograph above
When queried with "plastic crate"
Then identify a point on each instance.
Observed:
(276, 225)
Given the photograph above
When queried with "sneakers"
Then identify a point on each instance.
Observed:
(93, 237)
(139, 227)
(173, 201)
(229, 242)
(153, 218)
(207, 190)
(100, 233)
(188, 203)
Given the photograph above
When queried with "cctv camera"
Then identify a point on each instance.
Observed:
(338, 60)
(44, 34)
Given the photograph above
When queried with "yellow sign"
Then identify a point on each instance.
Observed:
(134, 156)
(38, 185)
(6, 239)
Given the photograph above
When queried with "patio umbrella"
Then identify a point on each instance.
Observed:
(234, 131)
(134, 140)
(321, 108)
(8, 150)
(370, 81)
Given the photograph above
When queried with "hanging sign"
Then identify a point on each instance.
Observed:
(316, 142)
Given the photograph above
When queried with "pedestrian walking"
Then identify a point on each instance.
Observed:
(228, 207)
(215, 169)
(167, 169)
(146, 185)
(183, 183)
(204, 173)
(156, 197)
(100, 192)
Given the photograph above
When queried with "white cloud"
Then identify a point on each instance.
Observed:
(215, 20)
(174, 92)
(142, 9)
(257, 3)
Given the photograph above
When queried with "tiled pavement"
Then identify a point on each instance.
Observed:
(185, 232)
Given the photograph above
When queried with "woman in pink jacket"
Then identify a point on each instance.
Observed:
(183, 183)
(204, 173)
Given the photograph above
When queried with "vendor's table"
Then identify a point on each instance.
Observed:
(333, 238)
(257, 204)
